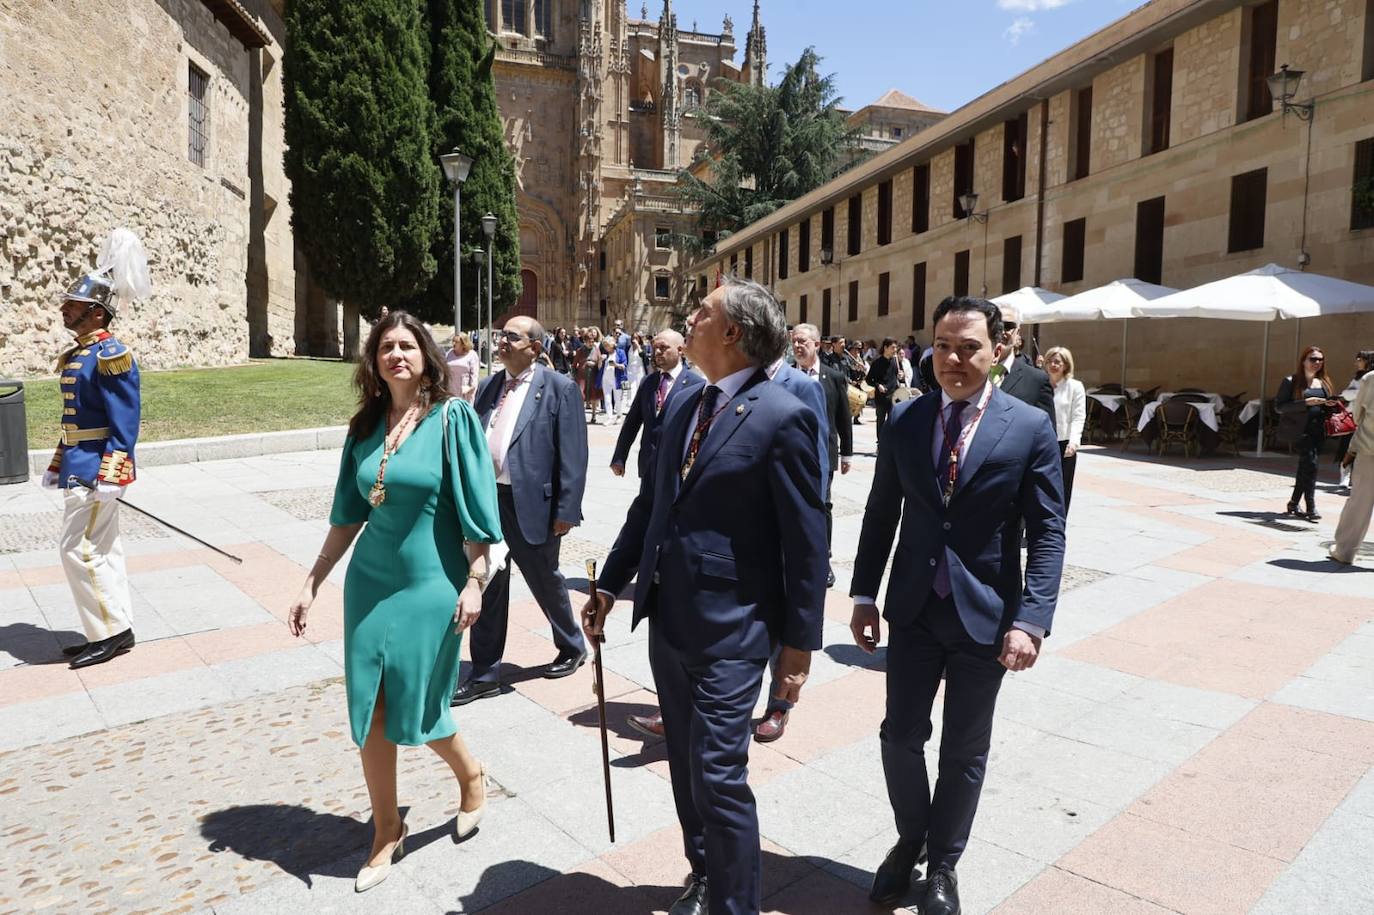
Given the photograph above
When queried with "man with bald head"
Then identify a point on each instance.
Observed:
(537, 434)
(664, 385)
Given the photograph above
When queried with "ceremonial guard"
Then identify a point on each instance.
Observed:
(100, 415)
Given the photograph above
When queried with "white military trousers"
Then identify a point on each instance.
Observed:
(93, 558)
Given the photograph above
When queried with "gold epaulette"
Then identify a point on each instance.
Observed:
(116, 365)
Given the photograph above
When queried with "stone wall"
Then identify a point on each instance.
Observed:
(93, 135)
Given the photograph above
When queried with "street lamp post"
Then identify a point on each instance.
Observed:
(489, 229)
(456, 168)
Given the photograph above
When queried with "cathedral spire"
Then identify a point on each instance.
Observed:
(756, 50)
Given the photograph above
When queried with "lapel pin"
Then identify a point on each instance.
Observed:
(739, 410)
(538, 394)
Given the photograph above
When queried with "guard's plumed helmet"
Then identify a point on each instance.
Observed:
(94, 288)
(121, 273)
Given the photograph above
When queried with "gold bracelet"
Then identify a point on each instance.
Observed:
(480, 579)
(325, 558)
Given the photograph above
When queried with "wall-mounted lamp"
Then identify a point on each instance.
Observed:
(969, 203)
(1283, 86)
(827, 256)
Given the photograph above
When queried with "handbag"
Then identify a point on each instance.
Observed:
(1339, 422)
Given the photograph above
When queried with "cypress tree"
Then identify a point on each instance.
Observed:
(365, 186)
(463, 94)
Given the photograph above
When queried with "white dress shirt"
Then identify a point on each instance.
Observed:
(514, 401)
(937, 445)
(1070, 411)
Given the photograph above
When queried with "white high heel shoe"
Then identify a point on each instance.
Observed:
(369, 876)
(467, 821)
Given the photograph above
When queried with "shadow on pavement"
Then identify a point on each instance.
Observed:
(1316, 565)
(300, 841)
(652, 749)
(30, 644)
(854, 656)
(1277, 521)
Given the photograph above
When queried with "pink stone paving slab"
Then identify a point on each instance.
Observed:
(835, 714)
(150, 659)
(593, 886)
(657, 860)
(1173, 868)
(10, 580)
(37, 681)
(219, 645)
(819, 893)
(839, 607)
(1134, 492)
(1062, 893)
(566, 695)
(1319, 732)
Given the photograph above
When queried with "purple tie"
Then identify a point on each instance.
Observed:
(952, 428)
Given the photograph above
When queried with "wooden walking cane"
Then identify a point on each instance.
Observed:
(598, 687)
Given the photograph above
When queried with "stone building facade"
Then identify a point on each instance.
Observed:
(164, 116)
(1149, 149)
(601, 110)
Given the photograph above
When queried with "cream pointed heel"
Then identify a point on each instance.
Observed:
(467, 821)
(369, 877)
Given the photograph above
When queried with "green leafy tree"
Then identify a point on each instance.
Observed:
(769, 146)
(365, 186)
(466, 117)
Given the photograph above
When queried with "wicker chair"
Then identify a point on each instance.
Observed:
(1176, 420)
(1229, 423)
(1130, 417)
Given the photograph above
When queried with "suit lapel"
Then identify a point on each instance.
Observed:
(487, 397)
(727, 423)
(994, 424)
(924, 418)
(532, 398)
(678, 416)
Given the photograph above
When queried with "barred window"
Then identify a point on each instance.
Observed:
(197, 114)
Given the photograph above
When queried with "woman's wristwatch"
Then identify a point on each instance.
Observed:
(480, 579)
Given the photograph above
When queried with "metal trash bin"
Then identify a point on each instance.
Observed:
(14, 436)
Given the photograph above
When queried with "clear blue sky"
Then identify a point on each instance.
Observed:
(944, 52)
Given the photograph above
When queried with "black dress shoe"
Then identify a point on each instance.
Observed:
(830, 579)
(474, 689)
(942, 895)
(72, 651)
(103, 650)
(564, 665)
(695, 901)
(893, 880)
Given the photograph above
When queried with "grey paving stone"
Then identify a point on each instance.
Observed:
(1032, 700)
(792, 805)
(1328, 696)
(1361, 797)
(1301, 890)
(1104, 776)
(1034, 821)
(630, 661)
(48, 720)
(164, 694)
(1080, 678)
(1206, 708)
(334, 894)
(858, 765)
(197, 598)
(989, 873)
(532, 762)
(1342, 847)
(1345, 667)
(1148, 736)
(577, 805)
(277, 670)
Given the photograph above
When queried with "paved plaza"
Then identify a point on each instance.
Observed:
(1199, 737)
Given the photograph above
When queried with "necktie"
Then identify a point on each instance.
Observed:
(953, 426)
(661, 395)
(705, 416)
(500, 424)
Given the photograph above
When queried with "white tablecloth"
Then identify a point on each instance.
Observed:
(1205, 411)
(1249, 411)
(1216, 399)
(1111, 402)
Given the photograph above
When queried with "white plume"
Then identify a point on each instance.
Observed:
(126, 263)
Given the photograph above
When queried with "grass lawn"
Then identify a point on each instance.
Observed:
(266, 395)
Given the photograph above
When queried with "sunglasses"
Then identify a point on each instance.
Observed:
(1316, 358)
(514, 336)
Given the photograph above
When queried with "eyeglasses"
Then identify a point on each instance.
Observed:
(514, 336)
(1316, 358)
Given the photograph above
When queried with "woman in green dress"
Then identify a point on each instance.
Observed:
(416, 478)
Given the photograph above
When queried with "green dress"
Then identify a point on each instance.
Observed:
(408, 566)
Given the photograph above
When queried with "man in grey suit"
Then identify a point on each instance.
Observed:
(538, 438)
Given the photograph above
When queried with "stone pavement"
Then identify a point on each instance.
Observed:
(1199, 737)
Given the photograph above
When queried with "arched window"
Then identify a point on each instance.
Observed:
(691, 96)
(543, 18)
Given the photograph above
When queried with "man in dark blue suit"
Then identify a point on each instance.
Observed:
(538, 438)
(727, 538)
(961, 468)
(669, 380)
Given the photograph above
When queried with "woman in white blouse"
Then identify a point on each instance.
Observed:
(1070, 412)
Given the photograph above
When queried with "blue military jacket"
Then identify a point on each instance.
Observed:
(100, 412)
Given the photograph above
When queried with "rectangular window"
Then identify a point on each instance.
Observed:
(1075, 239)
(885, 212)
(749, 262)
(661, 287)
(825, 312)
(920, 198)
(1014, 157)
(853, 301)
(601, 260)
(513, 16)
(961, 273)
(784, 247)
(734, 265)
(963, 176)
(1160, 106)
(918, 296)
(804, 245)
(1011, 264)
(1081, 119)
(856, 223)
(543, 18)
(801, 314)
(1362, 188)
(1367, 70)
(1247, 211)
(701, 285)
(884, 287)
(197, 114)
(896, 133)
(603, 308)
(663, 238)
(828, 234)
(1259, 40)
(708, 237)
(1149, 241)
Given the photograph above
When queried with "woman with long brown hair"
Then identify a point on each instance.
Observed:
(1308, 389)
(416, 479)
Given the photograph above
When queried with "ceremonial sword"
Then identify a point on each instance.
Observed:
(599, 687)
(143, 511)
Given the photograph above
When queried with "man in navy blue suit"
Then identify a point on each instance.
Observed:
(961, 468)
(727, 538)
(538, 438)
(665, 384)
